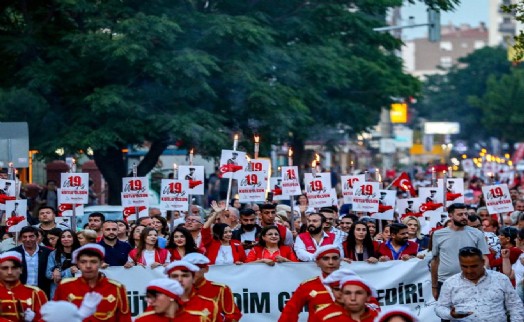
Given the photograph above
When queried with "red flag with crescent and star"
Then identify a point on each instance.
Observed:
(404, 183)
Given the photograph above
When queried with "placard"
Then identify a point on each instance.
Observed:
(174, 194)
(347, 186)
(386, 205)
(498, 199)
(454, 190)
(366, 196)
(252, 186)
(135, 192)
(318, 189)
(74, 187)
(275, 186)
(195, 178)
(66, 210)
(232, 163)
(8, 187)
(16, 214)
(290, 182)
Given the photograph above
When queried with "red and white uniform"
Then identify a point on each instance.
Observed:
(222, 296)
(182, 316)
(113, 307)
(311, 293)
(14, 301)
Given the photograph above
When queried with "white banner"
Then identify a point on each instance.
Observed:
(74, 187)
(174, 194)
(498, 199)
(290, 183)
(135, 192)
(262, 299)
(194, 176)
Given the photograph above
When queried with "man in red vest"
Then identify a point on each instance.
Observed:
(313, 292)
(307, 243)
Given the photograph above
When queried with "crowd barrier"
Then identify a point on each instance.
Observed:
(261, 291)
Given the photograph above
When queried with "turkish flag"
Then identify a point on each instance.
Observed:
(194, 183)
(404, 183)
(4, 198)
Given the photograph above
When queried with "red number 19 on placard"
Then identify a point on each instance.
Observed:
(175, 187)
(256, 166)
(291, 174)
(75, 181)
(251, 179)
(496, 192)
(316, 185)
(135, 184)
(352, 181)
(367, 189)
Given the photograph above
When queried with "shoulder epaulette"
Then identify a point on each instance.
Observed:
(67, 280)
(331, 315)
(114, 282)
(309, 280)
(218, 284)
(34, 288)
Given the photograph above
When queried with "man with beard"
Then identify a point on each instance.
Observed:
(398, 246)
(248, 231)
(116, 251)
(448, 241)
(307, 242)
(313, 292)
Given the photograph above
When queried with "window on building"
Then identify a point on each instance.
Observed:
(446, 61)
(479, 44)
(446, 46)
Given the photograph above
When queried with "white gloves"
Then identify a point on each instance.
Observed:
(29, 315)
(89, 304)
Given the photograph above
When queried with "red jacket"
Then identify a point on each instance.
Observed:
(411, 250)
(258, 252)
(14, 301)
(114, 306)
(311, 293)
(213, 246)
(223, 296)
(160, 256)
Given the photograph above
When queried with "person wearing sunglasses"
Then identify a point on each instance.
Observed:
(478, 294)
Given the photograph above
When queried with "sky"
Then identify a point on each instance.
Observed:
(468, 11)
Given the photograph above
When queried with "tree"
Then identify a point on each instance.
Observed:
(107, 74)
(447, 97)
(503, 106)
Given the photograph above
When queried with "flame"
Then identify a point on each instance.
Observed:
(257, 138)
(235, 137)
(314, 163)
(432, 169)
(317, 157)
(191, 152)
(174, 166)
(290, 152)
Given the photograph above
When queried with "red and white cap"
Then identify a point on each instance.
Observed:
(334, 278)
(11, 256)
(197, 259)
(355, 280)
(326, 249)
(91, 246)
(181, 265)
(166, 286)
(399, 311)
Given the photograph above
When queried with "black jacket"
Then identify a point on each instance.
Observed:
(43, 254)
(238, 232)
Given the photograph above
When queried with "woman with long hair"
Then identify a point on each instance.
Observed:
(414, 231)
(148, 254)
(220, 248)
(59, 264)
(160, 224)
(181, 243)
(270, 249)
(134, 236)
(359, 246)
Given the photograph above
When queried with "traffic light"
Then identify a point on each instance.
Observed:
(433, 25)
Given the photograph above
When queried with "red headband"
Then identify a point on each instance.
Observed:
(328, 251)
(10, 258)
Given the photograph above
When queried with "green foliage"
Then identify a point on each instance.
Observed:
(503, 106)
(447, 97)
(517, 9)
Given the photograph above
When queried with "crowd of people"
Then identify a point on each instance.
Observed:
(477, 262)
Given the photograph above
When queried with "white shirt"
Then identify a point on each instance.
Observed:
(31, 264)
(225, 255)
(489, 299)
(518, 269)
